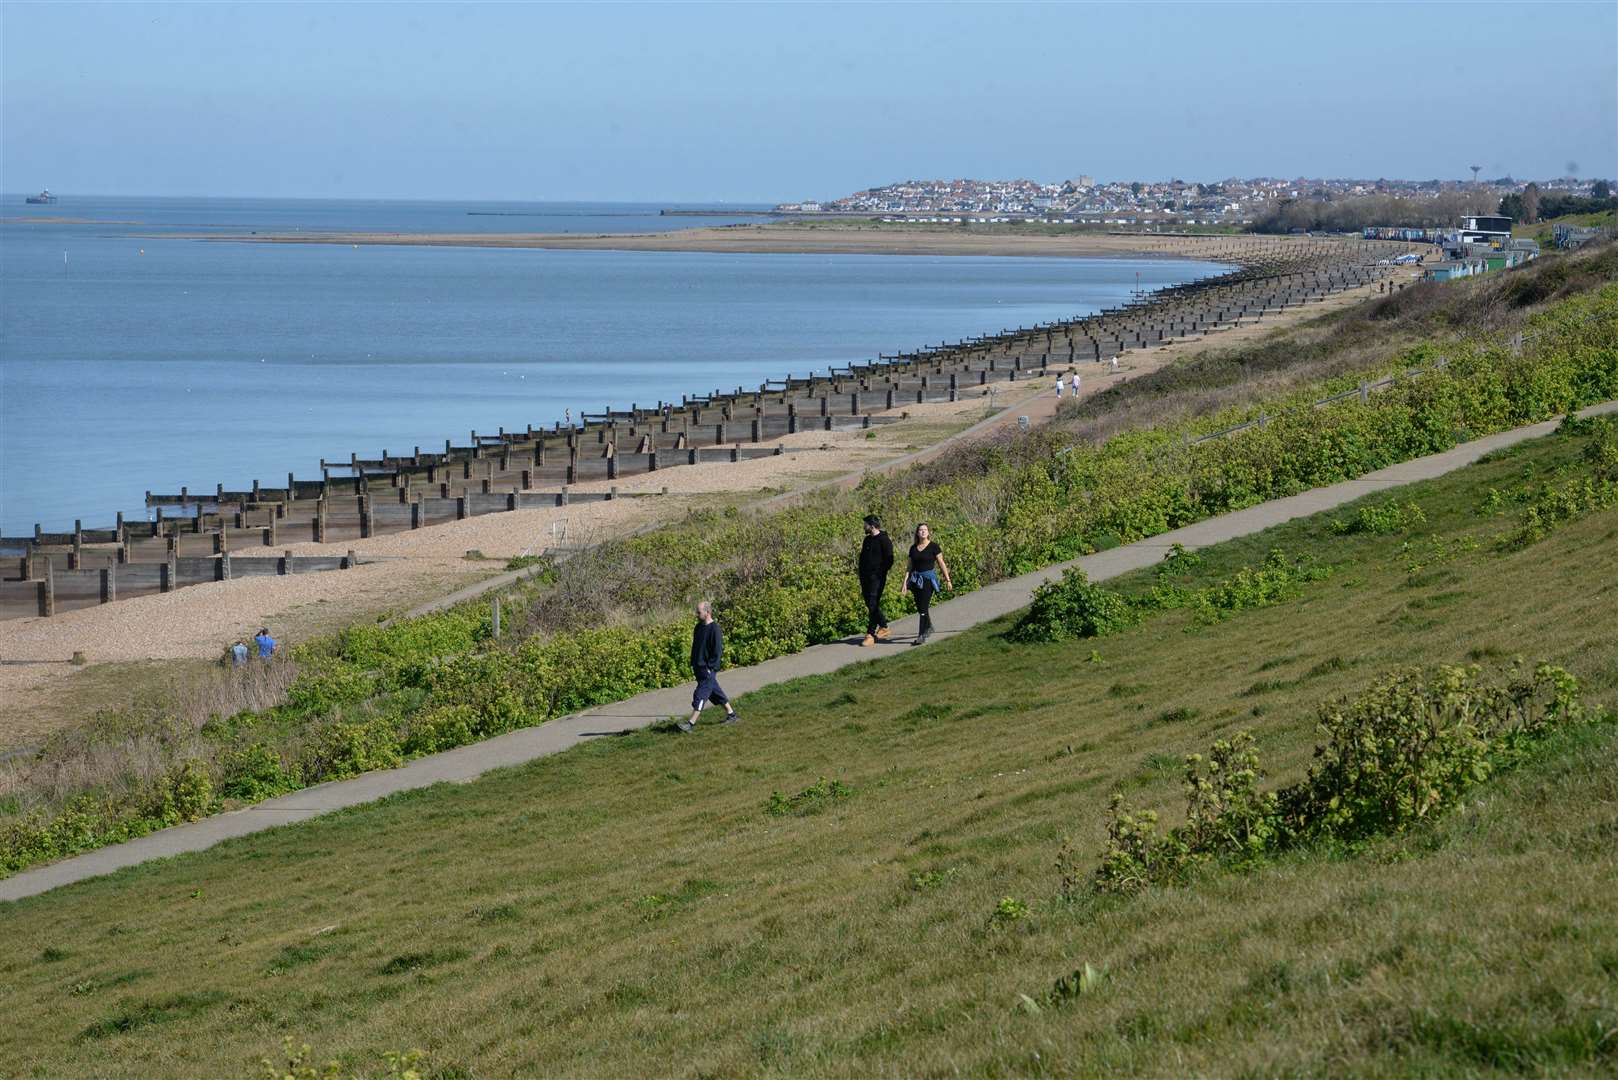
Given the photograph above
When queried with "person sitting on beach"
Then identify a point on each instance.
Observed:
(266, 644)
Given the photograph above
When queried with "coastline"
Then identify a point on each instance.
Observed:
(801, 240)
(151, 638)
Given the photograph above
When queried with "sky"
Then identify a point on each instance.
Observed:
(774, 102)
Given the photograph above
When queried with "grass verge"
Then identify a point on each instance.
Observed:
(636, 904)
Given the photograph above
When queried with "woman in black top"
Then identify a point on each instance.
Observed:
(926, 563)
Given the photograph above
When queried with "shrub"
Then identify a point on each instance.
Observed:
(1380, 520)
(253, 772)
(1397, 755)
(1280, 578)
(1073, 608)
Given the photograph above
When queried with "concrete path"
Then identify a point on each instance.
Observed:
(953, 616)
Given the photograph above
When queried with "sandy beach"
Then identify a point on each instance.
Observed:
(810, 239)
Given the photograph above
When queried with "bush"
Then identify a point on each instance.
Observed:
(1380, 520)
(1280, 578)
(1073, 608)
(1399, 754)
(254, 772)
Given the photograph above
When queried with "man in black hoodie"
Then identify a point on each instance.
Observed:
(876, 559)
(707, 655)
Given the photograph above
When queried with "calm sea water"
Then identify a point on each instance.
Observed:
(129, 363)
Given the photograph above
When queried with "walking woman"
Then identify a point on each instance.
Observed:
(926, 563)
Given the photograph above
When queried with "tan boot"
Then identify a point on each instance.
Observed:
(883, 634)
(868, 642)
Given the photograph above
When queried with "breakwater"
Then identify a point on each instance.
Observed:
(224, 533)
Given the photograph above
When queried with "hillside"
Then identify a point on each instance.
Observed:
(1451, 362)
(861, 878)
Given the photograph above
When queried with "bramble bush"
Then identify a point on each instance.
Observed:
(1398, 755)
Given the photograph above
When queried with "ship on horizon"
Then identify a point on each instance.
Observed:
(43, 197)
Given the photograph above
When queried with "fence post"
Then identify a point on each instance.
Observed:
(222, 567)
(47, 591)
(460, 508)
(109, 585)
(494, 616)
(165, 575)
(415, 514)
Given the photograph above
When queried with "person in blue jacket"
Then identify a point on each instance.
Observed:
(265, 643)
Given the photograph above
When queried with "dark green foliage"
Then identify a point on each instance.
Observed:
(1072, 608)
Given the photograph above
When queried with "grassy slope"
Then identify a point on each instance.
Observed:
(631, 906)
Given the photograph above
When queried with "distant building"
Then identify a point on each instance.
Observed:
(1485, 229)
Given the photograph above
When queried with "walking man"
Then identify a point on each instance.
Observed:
(876, 559)
(707, 655)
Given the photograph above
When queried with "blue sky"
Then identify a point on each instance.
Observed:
(786, 101)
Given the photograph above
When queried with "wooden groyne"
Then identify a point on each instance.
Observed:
(224, 534)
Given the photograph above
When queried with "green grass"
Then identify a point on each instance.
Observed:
(632, 906)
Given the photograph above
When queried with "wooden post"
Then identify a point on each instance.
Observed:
(460, 508)
(109, 585)
(47, 591)
(166, 574)
(320, 522)
(221, 567)
(494, 616)
(415, 515)
(288, 566)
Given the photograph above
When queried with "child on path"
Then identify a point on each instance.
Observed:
(926, 562)
(876, 559)
(1075, 384)
(1059, 386)
(707, 655)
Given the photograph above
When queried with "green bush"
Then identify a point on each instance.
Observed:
(253, 772)
(1280, 578)
(1398, 755)
(1380, 520)
(1073, 608)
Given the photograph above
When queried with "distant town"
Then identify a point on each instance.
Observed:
(1231, 202)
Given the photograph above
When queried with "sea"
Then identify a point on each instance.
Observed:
(135, 357)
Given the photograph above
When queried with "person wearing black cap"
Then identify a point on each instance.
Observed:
(876, 559)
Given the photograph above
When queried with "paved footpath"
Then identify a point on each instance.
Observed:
(961, 613)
